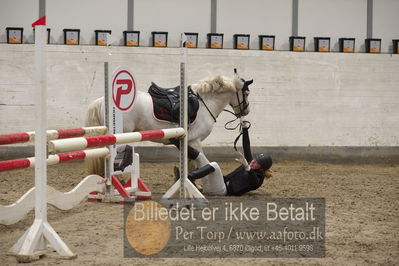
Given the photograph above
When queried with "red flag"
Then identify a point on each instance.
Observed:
(40, 21)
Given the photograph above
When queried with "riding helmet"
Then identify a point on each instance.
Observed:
(264, 160)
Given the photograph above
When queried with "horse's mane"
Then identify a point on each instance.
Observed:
(217, 84)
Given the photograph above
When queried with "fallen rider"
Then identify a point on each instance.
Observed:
(249, 176)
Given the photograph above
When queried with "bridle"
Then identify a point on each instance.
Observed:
(242, 105)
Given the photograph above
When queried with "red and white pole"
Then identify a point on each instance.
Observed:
(65, 145)
(13, 138)
(53, 159)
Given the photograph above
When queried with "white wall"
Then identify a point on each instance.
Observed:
(18, 13)
(334, 19)
(87, 15)
(297, 99)
(173, 16)
(255, 17)
(385, 19)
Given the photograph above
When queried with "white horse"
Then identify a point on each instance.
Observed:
(214, 95)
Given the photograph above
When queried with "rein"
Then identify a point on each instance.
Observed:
(239, 135)
(207, 108)
(226, 126)
(242, 105)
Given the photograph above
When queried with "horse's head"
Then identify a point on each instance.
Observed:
(223, 90)
(239, 102)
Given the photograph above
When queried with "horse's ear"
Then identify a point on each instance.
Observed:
(248, 82)
(235, 73)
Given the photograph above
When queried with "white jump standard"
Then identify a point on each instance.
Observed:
(188, 193)
(34, 241)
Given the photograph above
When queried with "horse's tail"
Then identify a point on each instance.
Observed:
(94, 117)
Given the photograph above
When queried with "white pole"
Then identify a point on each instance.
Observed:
(183, 184)
(183, 119)
(34, 242)
(81, 143)
(41, 126)
(111, 127)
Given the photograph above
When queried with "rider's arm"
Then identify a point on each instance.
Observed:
(246, 145)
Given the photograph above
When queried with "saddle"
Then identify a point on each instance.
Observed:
(166, 103)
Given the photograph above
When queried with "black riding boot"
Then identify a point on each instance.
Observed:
(200, 172)
(196, 174)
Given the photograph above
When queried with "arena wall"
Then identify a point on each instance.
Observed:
(297, 99)
(315, 18)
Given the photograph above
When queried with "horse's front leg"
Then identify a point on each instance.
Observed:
(193, 164)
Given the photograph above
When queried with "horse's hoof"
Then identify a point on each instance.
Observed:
(176, 171)
(193, 181)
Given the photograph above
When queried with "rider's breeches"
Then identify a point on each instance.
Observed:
(212, 184)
